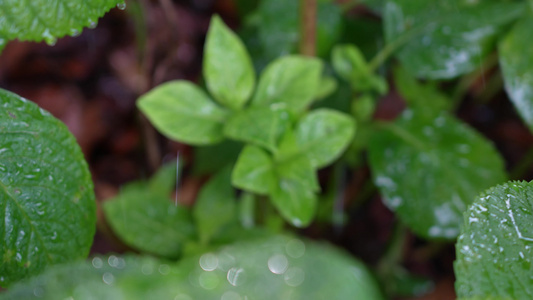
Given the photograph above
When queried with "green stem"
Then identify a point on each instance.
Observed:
(308, 16)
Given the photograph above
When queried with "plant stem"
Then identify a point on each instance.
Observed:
(308, 14)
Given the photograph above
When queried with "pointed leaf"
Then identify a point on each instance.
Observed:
(49, 20)
(444, 39)
(261, 126)
(254, 171)
(429, 168)
(147, 220)
(516, 60)
(495, 249)
(47, 202)
(289, 81)
(228, 69)
(215, 206)
(183, 112)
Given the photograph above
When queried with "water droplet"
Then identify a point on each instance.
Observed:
(236, 276)
(121, 6)
(112, 261)
(38, 292)
(49, 38)
(295, 248)
(294, 277)
(147, 269)
(108, 278)
(208, 262)
(54, 236)
(164, 269)
(97, 262)
(208, 280)
(92, 24)
(278, 264)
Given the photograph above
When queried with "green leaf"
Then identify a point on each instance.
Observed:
(211, 159)
(444, 39)
(47, 202)
(429, 168)
(254, 171)
(215, 206)
(261, 126)
(290, 82)
(49, 20)
(183, 112)
(516, 61)
(495, 247)
(276, 267)
(228, 69)
(165, 178)
(146, 219)
(323, 134)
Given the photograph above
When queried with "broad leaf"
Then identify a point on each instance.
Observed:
(183, 112)
(47, 20)
(495, 249)
(429, 168)
(211, 159)
(228, 69)
(215, 206)
(146, 219)
(277, 267)
(516, 61)
(290, 82)
(261, 126)
(323, 135)
(47, 202)
(444, 39)
(254, 171)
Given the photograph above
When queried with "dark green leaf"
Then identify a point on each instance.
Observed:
(145, 218)
(254, 171)
(495, 249)
(211, 159)
(277, 267)
(228, 69)
(289, 82)
(322, 136)
(183, 112)
(261, 126)
(444, 39)
(429, 168)
(516, 60)
(47, 202)
(47, 20)
(215, 206)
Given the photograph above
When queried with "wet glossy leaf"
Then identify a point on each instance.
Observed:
(516, 61)
(444, 39)
(261, 126)
(494, 251)
(323, 135)
(104, 277)
(429, 168)
(290, 82)
(146, 219)
(47, 202)
(227, 69)
(183, 112)
(254, 171)
(277, 267)
(47, 20)
(215, 206)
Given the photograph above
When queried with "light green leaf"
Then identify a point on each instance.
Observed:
(261, 126)
(47, 20)
(215, 206)
(323, 135)
(228, 69)
(429, 168)
(444, 39)
(276, 267)
(47, 202)
(254, 171)
(290, 82)
(146, 219)
(516, 61)
(183, 112)
(494, 250)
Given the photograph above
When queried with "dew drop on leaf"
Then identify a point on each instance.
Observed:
(121, 6)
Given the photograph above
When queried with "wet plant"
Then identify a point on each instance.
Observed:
(273, 112)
